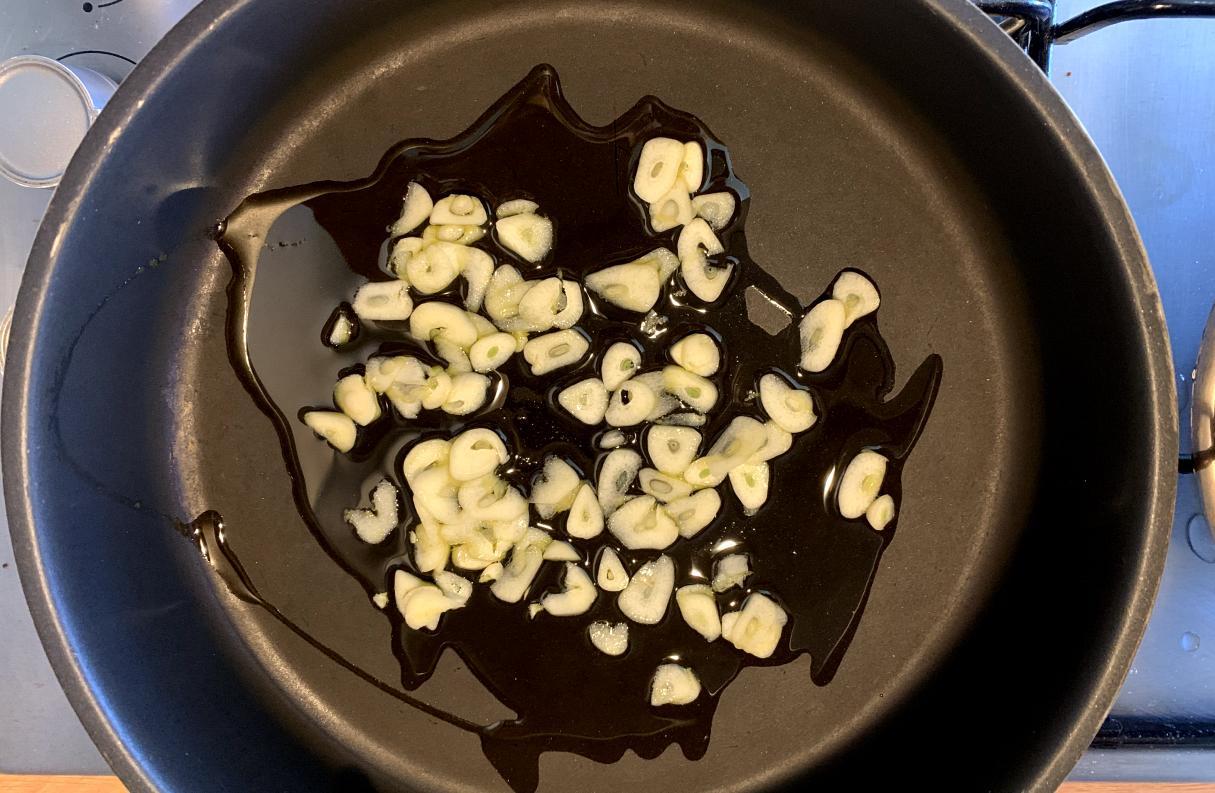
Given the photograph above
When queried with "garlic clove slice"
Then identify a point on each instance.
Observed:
(475, 453)
(698, 353)
(456, 588)
(620, 362)
(518, 573)
(356, 399)
(423, 606)
(861, 483)
(554, 490)
(672, 449)
(527, 235)
(609, 639)
(506, 288)
(430, 552)
(757, 628)
(742, 438)
(577, 595)
(662, 487)
(777, 442)
(730, 571)
(616, 475)
(633, 287)
(469, 392)
(436, 492)
(455, 355)
(657, 168)
(662, 260)
(433, 268)
(693, 513)
(631, 404)
(717, 209)
(374, 525)
(435, 319)
(693, 390)
(516, 206)
(336, 428)
(692, 166)
(492, 351)
(561, 551)
(464, 210)
(750, 483)
(555, 350)
(382, 372)
(880, 512)
(687, 419)
(645, 599)
(821, 331)
(612, 439)
(586, 516)
(673, 684)
(477, 271)
(586, 400)
(491, 573)
(428, 454)
(611, 576)
(857, 293)
(640, 523)
(696, 242)
(415, 209)
(383, 301)
(551, 303)
(674, 209)
(698, 606)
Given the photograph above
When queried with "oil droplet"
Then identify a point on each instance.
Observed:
(1198, 535)
(1189, 641)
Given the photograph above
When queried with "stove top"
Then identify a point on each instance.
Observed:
(1145, 91)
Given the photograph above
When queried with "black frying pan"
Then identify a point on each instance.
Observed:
(912, 137)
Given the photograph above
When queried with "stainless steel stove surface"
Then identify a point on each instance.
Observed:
(1146, 93)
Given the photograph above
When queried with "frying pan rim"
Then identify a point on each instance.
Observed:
(1077, 152)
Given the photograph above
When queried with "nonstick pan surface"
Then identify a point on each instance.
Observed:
(911, 140)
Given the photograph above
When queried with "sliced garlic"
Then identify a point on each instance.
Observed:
(382, 372)
(645, 599)
(506, 288)
(455, 355)
(453, 586)
(730, 571)
(633, 287)
(672, 210)
(696, 242)
(693, 390)
(641, 523)
(630, 404)
(551, 303)
(469, 392)
(336, 428)
(684, 420)
(609, 639)
(561, 551)
(491, 573)
(430, 552)
(383, 300)
(662, 260)
(857, 293)
(414, 210)
(672, 449)
(673, 684)
(407, 399)
(620, 362)
(778, 441)
(490, 352)
(477, 272)
(821, 331)
(698, 606)
(342, 331)
(516, 206)
(423, 606)
(664, 402)
(693, 513)
(880, 512)
(861, 483)
(716, 208)
(475, 453)
(616, 475)
(555, 350)
(657, 168)
(586, 516)
(358, 401)
(612, 576)
(586, 400)
(433, 268)
(489, 499)
(555, 488)
(698, 353)
(436, 492)
(436, 319)
(612, 439)
(436, 389)
(692, 166)
(750, 483)
(459, 209)
(483, 325)
(663, 487)
(527, 235)
(424, 456)
(742, 438)
(756, 629)
(403, 582)
(518, 573)
(460, 235)
(374, 525)
(403, 250)
(576, 597)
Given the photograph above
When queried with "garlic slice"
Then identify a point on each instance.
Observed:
(880, 512)
(561, 551)
(383, 300)
(778, 441)
(657, 168)
(664, 402)
(456, 588)
(730, 571)
(555, 350)
(436, 389)
(490, 352)
(742, 438)
(477, 272)
(633, 287)
(455, 355)
(353, 397)
(757, 628)
(663, 487)
(672, 449)
(620, 362)
(469, 391)
(698, 606)
(460, 235)
(475, 453)
(716, 208)
(406, 399)
(434, 319)
(586, 400)
(555, 488)
(551, 303)
(696, 242)
(424, 456)
(518, 573)
(612, 576)
(640, 523)
(374, 525)
(693, 390)
(662, 260)
(433, 268)
(631, 404)
(336, 428)
(750, 483)
(436, 492)
(692, 166)
(459, 209)
(857, 293)
(693, 513)
(423, 606)
(516, 206)
(491, 500)
(430, 552)
(698, 353)
(612, 439)
(690, 419)
(616, 474)
(343, 329)
(673, 684)
(576, 597)
(609, 639)
(586, 516)
(674, 209)
(645, 599)
(483, 325)
(491, 573)
(382, 372)
(821, 331)
(527, 235)
(861, 483)
(506, 288)
(402, 251)
(415, 209)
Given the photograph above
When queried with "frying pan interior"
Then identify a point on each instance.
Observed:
(909, 139)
